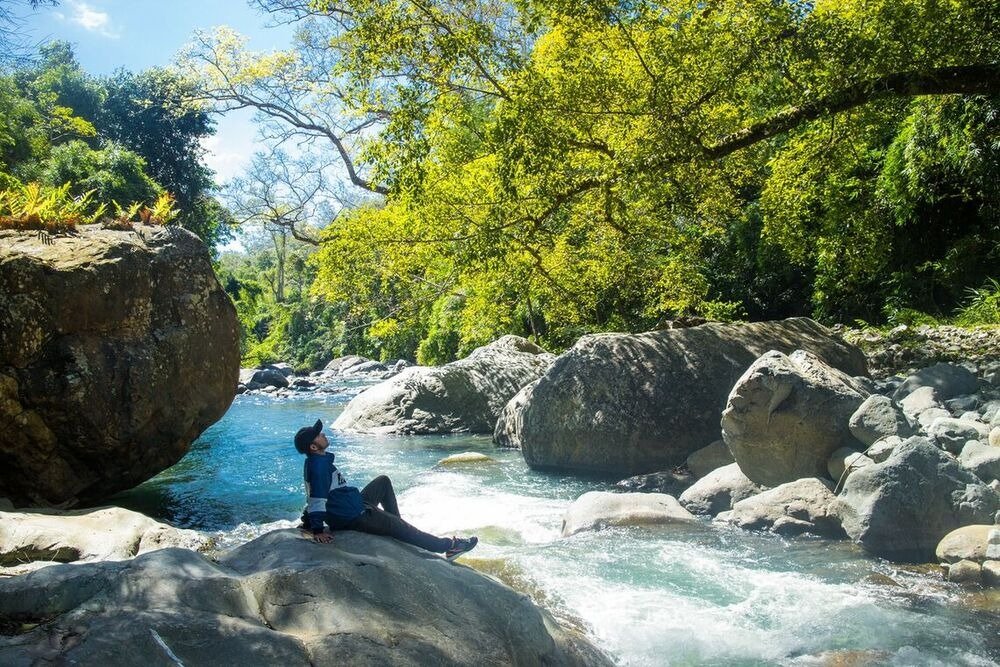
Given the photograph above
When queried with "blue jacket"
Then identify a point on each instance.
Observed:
(328, 497)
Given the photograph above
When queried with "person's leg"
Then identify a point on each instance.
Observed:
(377, 522)
(379, 491)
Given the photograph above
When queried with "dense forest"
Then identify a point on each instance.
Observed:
(440, 172)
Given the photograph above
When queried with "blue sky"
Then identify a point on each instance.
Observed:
(112, 34)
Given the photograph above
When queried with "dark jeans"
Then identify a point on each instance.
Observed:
(386, 521)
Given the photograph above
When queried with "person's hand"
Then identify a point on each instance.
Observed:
(323, 538)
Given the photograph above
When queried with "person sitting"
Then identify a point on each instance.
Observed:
(330, 500)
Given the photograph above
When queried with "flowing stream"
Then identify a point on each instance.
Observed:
(699, 595)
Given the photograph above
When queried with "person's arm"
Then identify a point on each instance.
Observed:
(315, 512)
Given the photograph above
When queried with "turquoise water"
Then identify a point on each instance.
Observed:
(696, 595)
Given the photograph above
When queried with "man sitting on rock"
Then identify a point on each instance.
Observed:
(343, 507)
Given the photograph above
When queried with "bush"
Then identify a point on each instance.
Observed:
(982, 307)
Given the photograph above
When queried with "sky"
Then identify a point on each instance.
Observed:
(135, 35)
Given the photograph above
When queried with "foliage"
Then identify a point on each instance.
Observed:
(982, 305)
(555, 168)
(35, 206)
(127, 139)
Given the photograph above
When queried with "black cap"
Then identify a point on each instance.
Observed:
(306, 435)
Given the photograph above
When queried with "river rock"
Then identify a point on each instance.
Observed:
(282, 367)
(671, 482)
(845, 459)
(507, 432)
(365, 368)
(947, 381)
(952, 434)
(719, 490)
(969, 543)
(269, 377)
(901, 508)
(709, 458)
(994, 438)
(463, 396)
(982, 459)
(965, 572)
(109, 533)
(341, 364)
(921, 400)
(117, 349)
(787, 414)
(465, 458)
(795, 508)
(282, 600)
(882, 449)
(878, 417)
(598, 509)
(991, 573)
(628, 404)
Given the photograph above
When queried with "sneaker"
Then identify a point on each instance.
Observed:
(460, 546)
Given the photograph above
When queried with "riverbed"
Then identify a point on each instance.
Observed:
(696, 595)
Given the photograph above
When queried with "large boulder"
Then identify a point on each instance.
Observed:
(600, 509)
(802, 506)
(901, 508)
(281, 600)
(109, 533)
(952, 434)
(117, 349)
(787, 414)
(629, 404)
(719, 490)
(463, 396)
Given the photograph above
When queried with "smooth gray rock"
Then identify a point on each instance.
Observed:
(463, 396)
(270, 377)
(926, 418)
(709, 458)
(882, 449)
(920, 400)
(795, 508)
(282, 600)
(719, 490)
(990, 412)
(341, 364)
(282, 367)
(630, 404)
(507, 432)
(982, 459)
(845, 459)
(947, 380)
(952, 434)
(117, 350)
(599, 509)
(901, 508)
(787, 414)
(961, 404)
(365, 367)
(878, 417)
